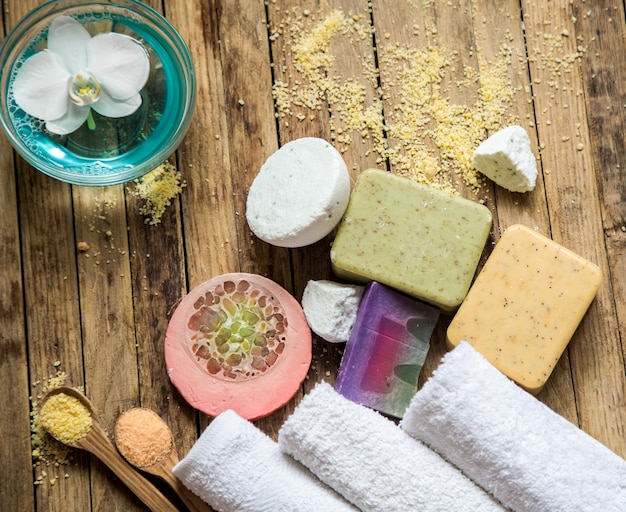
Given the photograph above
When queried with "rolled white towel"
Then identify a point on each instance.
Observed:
(510, 443)
(371, 462)
(235, 467)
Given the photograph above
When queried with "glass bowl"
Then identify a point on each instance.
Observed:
(116, 150)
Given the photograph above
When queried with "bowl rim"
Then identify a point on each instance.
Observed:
(10, 50)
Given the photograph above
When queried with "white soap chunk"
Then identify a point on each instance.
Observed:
(299, 195)
(330, 308)
(507, 159)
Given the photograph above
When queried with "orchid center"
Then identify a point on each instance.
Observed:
(84, 88)
(78, 74)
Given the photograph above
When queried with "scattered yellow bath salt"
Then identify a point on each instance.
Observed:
(423, 135)
(496, 92)
(103, 205)
(550, 50)
(99, 215)
(311, 52)
(554, 57)
(65, 417)
(157, 189)
(419, 73)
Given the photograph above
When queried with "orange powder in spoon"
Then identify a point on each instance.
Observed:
(142, 437)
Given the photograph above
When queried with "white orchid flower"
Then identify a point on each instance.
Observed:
(77, 73)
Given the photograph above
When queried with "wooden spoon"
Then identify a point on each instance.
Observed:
(132, 440)
(97, 442)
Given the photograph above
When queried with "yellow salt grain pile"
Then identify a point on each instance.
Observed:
(430, 136)
(65, 418)
(425, 135)
(49, 455)
(142, 437)
(157, 189)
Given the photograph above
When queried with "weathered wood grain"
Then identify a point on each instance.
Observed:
(14, 376)
(102, 314)
(575, 212)
(245, 55)
(52, 314)
(159, 280)
(501, 30)
(107, 321)
(310, 262)
(604, 75)
(603, 34)
(52, 304)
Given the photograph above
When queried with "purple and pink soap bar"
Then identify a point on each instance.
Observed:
(386, 350)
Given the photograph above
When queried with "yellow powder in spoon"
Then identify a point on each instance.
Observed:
(142, 437)
(66, 418)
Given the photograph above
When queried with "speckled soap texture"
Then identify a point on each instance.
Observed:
(525, 305)
(415, 239)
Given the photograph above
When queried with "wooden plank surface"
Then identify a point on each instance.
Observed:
(365, 75)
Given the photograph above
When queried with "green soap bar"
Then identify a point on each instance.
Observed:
(416, 239)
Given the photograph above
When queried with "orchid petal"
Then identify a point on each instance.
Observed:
(40, 87)
(69, 39)
(120, 62)
(110, 107)
(75, 116)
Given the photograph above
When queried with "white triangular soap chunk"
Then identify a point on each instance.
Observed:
(330, 308)
(507, 159)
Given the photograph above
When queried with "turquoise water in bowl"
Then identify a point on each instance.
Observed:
(116, 146)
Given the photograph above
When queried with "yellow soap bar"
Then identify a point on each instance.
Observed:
(415, 239)
(525, 305)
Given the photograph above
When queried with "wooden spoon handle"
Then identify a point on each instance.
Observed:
(194, 503)
(101, 447)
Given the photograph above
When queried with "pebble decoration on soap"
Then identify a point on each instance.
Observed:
(238, 341)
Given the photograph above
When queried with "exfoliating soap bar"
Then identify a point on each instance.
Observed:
(525, 305)
(386, 350)
(415, 239)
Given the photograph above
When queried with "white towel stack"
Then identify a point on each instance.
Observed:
(373, 463)
(236, 467)
(511, 444)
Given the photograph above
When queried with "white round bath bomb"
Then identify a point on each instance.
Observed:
(330, 308)
(299, 195)
(507, 159)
